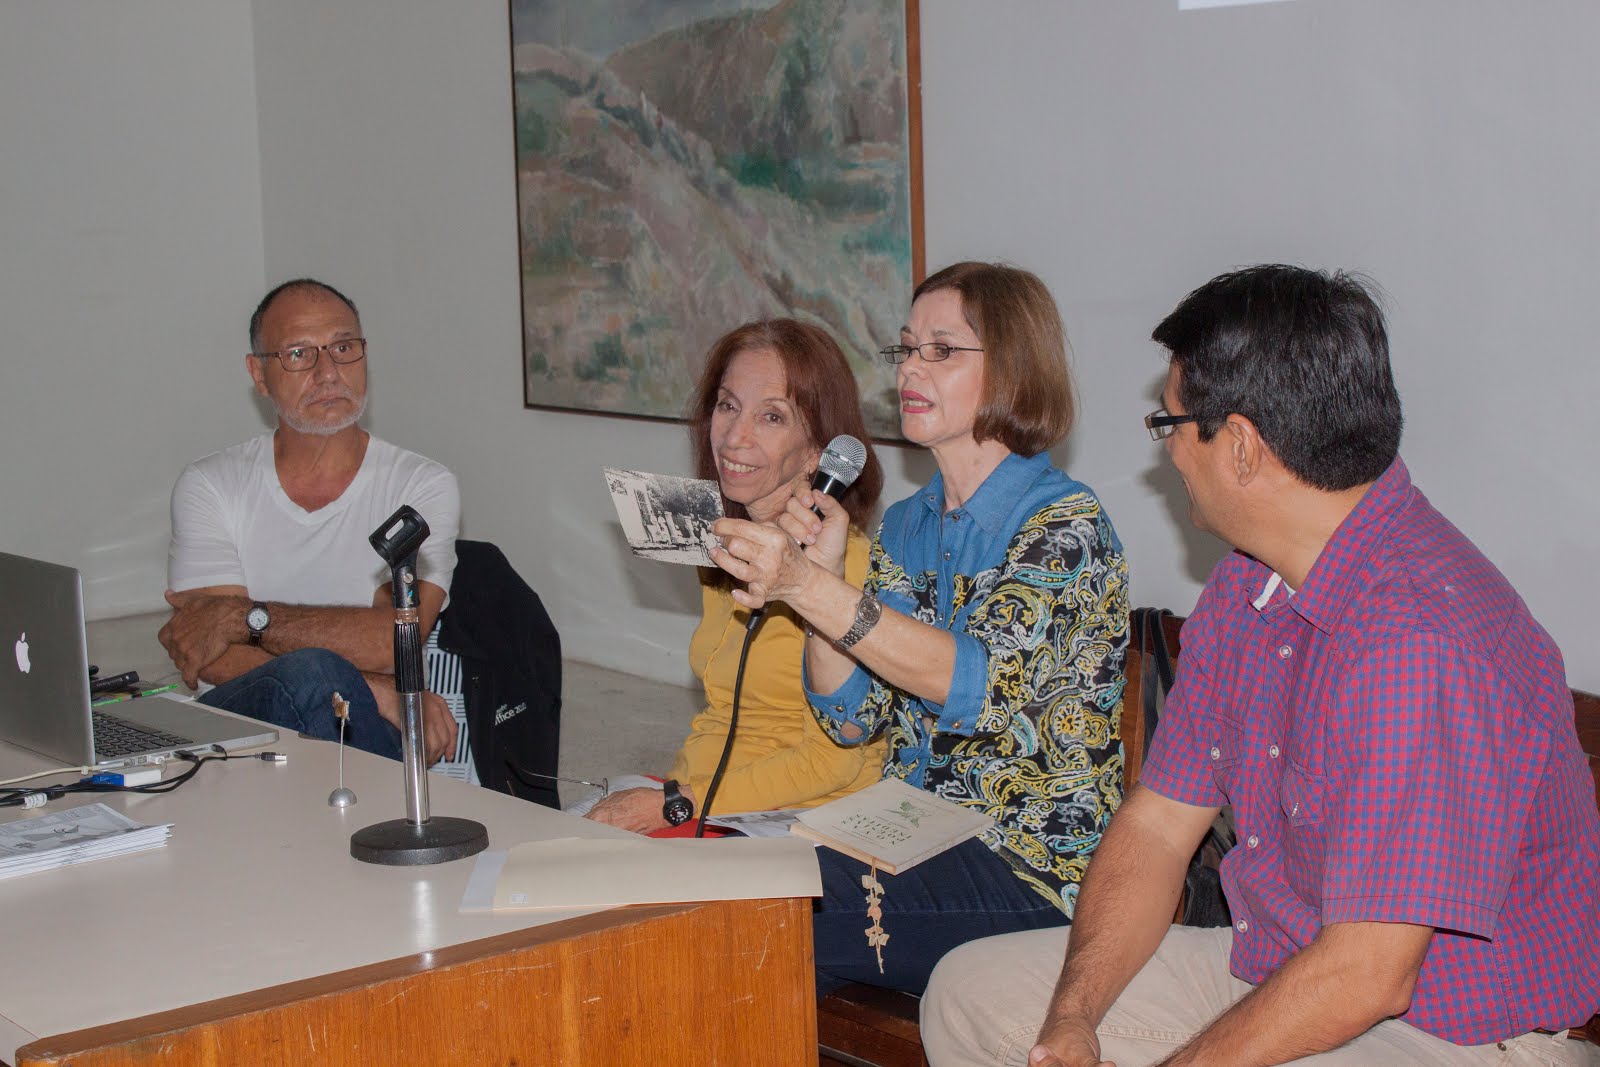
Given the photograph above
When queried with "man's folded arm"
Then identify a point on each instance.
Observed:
(364, 636)
(208, 639)
(236, 660)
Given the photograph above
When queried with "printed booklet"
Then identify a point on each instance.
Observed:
(890, 824)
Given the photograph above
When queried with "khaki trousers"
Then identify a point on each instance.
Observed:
(987, 1000)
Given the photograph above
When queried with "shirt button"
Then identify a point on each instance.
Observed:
(1285, 651)
(1216, 753)
(1252, 841)
(1273, 751)
(1242, 926)
(838, 708)
(947, 555)
(955, 726)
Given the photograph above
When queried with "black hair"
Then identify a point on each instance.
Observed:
(1303, 355)
(294, 285)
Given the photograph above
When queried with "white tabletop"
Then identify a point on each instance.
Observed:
(255, 888)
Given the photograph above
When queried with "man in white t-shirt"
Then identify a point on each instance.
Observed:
(278, 599)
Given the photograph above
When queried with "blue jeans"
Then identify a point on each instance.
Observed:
(960, 895)
(295, 691)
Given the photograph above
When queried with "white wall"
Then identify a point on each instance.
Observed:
(1125, 151)
(1447, 147)
(130, 237)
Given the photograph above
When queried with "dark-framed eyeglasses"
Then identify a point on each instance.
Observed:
(931, 351)
(1161, 425)
(302, 358)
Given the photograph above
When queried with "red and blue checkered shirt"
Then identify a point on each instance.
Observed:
(1397, 741)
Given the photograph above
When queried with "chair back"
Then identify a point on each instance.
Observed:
(1141, 671)
(1586, 707)
(1586, 710)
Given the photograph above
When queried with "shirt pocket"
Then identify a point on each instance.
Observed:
(1303, 797)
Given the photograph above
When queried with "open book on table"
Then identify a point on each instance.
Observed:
(891, 825)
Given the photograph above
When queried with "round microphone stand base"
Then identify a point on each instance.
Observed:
(403, 843)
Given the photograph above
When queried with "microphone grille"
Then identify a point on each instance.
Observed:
(843, 459)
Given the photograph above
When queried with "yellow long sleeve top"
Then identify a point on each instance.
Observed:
(781, 758)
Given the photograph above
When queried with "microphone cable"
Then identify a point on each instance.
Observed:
(838, 467)
(750, 628)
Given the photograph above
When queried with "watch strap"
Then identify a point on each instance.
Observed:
(868, 612)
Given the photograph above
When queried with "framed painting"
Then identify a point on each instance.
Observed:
(685, 166)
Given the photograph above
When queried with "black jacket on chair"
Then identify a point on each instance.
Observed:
(510, 673)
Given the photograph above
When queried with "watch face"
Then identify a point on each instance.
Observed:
(257, 619)
(871, 609)
(677, 811)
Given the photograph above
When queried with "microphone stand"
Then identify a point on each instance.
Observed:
(418, 839)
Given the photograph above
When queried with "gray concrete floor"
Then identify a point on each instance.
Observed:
(611, 723)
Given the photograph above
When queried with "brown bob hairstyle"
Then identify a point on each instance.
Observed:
(1028, 403)
(823, 391)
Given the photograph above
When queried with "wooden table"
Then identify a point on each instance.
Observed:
(252, 937)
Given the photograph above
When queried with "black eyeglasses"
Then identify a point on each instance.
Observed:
(931, 351)
(1161, 425)
(302, 358)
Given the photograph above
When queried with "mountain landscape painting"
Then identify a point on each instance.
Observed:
(685, 166)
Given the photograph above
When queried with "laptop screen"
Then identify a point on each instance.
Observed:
(44, 662)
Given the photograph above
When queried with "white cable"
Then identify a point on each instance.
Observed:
(46, 774)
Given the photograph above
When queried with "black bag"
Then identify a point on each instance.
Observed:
(1203, 902)
(510, 673)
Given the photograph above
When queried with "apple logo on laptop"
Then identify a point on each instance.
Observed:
(22, 653)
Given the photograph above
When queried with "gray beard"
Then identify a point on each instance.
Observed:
(323, 429)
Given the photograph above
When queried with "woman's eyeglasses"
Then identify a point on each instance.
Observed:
(931, 352)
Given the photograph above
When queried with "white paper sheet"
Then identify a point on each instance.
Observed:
(590, 873)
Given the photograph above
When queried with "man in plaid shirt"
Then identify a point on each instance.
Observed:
(1417, 878)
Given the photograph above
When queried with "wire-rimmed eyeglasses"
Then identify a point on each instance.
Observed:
(1161, 425)
(931, 352)
(302, 358)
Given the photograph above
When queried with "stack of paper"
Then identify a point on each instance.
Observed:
(76, 835)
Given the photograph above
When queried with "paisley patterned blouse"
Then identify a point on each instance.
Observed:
(1029, 577)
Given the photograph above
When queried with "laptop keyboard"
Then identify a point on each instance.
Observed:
(119, 737)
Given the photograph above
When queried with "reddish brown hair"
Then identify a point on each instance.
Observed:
(1028, 402)
(821, 387)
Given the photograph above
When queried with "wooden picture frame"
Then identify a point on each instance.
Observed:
(683, 169)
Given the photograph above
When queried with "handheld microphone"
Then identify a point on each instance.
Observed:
(839, 467)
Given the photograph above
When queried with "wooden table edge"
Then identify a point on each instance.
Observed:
(60, 1048)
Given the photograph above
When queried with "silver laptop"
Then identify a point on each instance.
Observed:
(44, 684)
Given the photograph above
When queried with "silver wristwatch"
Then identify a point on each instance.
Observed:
(256, 620)
(868, 612)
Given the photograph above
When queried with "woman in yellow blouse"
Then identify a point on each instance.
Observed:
(771, 396)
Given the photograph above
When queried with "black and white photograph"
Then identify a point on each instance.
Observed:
(665, 517)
